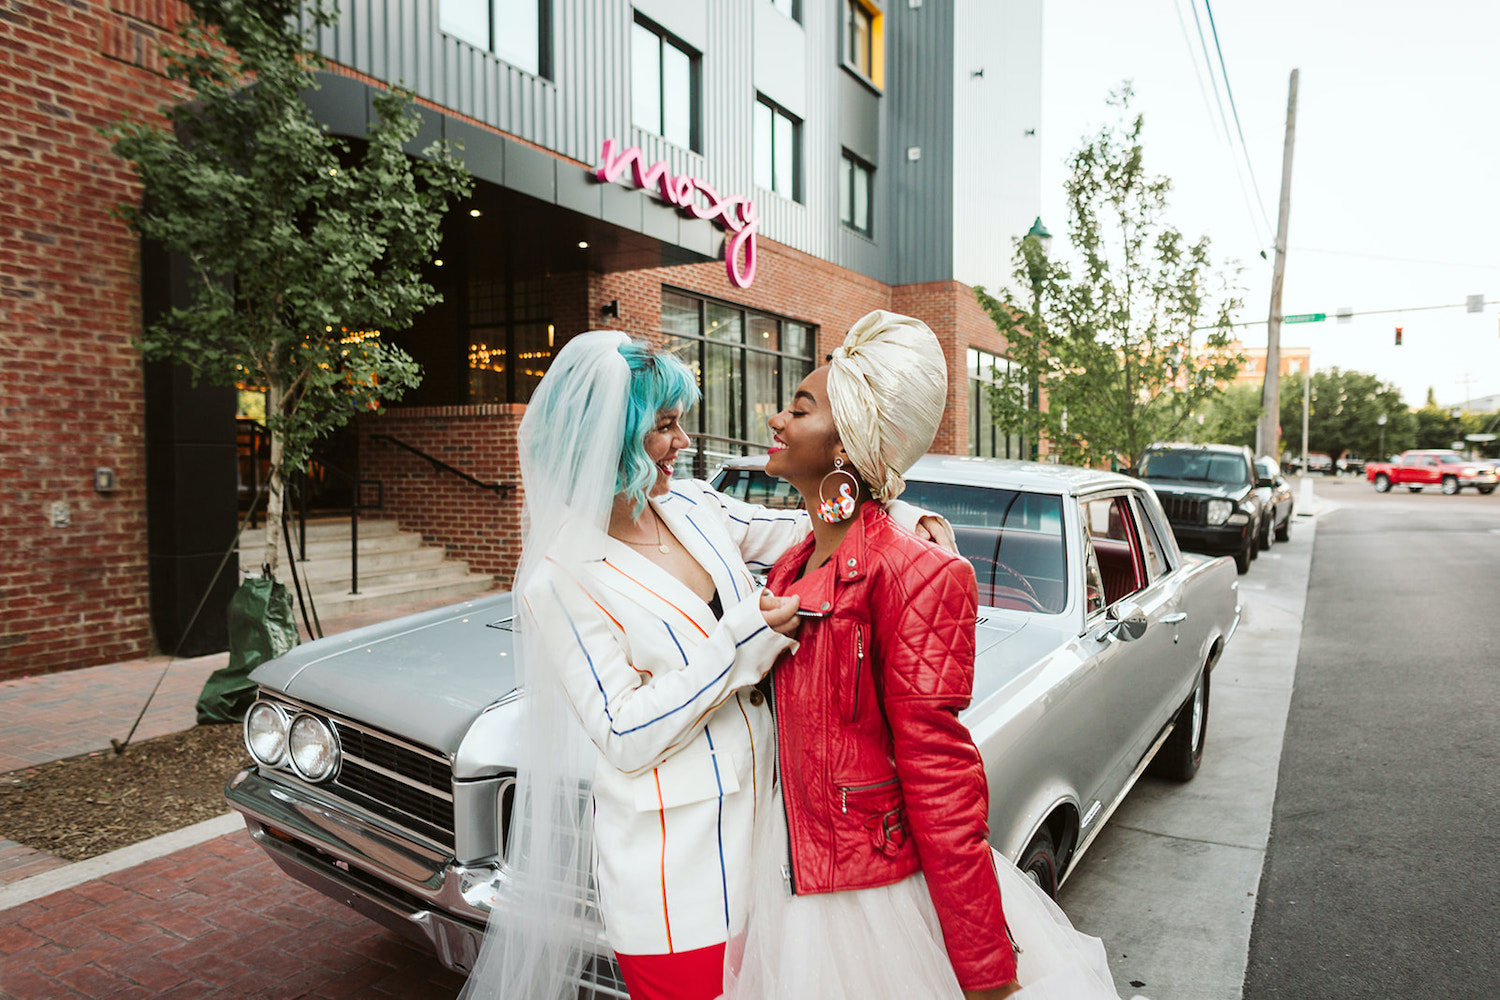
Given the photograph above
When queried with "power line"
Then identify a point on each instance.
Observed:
(1489, 301)
(1229, 92)
(1262, 236)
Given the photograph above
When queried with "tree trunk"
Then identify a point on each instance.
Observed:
(275, 488)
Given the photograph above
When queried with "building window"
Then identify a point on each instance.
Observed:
(518, 31)
(789, 8)
(778, 150)
(856, 183)
(984, 437)
(663, 85)
(510, 335)
(748, 365)
(863, 40)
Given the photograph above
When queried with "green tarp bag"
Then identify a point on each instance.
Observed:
(261, 627)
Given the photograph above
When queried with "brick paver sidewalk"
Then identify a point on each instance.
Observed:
(215, 920)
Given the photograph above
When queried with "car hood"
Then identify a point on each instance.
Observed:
(1010, 643)
(437, 671)
(1208, 491)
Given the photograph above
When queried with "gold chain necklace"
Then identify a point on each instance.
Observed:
(661, 546)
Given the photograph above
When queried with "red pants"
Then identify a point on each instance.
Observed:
(686, 975)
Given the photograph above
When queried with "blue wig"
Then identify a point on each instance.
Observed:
(658, 382)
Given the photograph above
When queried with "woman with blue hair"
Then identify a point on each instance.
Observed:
(639, 619)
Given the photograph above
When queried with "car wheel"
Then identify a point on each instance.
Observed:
(1265, 533)
(1243, 556)
(1284, 529)
(1382, 483)
(1485, 490)
(1180, 756)
(1039, 862)
(1450, 485)
(1414, 489)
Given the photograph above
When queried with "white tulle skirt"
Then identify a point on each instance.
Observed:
(874, 944)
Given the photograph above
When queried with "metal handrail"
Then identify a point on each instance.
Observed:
(442, 466)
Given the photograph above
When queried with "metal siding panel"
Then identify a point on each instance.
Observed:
(920, 93)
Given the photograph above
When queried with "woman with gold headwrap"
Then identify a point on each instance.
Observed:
(875, 877)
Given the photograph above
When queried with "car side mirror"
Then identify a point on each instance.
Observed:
(1262, 481)
(1123, 620)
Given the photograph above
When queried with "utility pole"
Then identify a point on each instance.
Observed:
(1267, 431)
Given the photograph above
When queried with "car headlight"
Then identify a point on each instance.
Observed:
(313, 748)
(1219, 511)
(265, 733)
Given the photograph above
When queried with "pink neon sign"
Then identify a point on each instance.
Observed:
(736, 213)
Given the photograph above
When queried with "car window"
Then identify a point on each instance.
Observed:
(754, 486)
(1014, 540)
(1110, 525)
(1151, 547)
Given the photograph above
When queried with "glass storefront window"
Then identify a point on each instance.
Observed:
(984, 437)
(748, 365)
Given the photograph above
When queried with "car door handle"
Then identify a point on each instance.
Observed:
(1174, 618)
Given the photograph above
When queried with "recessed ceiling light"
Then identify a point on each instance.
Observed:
(438, 262)
(475, 213)
(583, 244)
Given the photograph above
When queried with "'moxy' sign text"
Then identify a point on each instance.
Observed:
(736, 214)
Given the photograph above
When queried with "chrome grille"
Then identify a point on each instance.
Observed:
(1184, 510)
(408, 784)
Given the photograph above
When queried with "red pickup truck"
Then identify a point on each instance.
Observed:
(1417, 469)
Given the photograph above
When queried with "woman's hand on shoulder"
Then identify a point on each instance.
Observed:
(780, 612)
(935, 529)
(1009, 989)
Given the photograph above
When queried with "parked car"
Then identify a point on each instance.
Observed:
(1276, 498)
(1416, 470)
(1209, 492)
(383, 777)
(1318, 463)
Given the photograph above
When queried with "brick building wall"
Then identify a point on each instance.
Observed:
(73, 594)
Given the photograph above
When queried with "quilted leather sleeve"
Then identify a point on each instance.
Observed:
(924, 609)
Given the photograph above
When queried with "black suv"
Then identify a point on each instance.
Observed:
(1208, 492)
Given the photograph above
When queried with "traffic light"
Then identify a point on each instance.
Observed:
(1398, 336)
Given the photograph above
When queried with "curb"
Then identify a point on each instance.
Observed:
(69, 876)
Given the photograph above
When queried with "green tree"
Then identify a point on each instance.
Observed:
(1105, 360)
(1228, 418)
(1344, 415)
(300, 250)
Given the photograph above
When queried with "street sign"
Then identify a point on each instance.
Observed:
(1481, 438)
(1305, 318)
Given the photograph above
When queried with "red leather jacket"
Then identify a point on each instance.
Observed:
(879, 777)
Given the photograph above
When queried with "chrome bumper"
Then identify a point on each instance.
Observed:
(378, 869)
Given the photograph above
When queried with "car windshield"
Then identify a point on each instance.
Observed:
(1013, 539)
(1194, 466)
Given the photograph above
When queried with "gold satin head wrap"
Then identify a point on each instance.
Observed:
(887, 386)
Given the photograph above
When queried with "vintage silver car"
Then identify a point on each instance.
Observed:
(382, 779)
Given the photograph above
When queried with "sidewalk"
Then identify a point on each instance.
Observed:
(51, 716)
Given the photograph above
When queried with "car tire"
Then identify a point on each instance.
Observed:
(1265, 533)
(1485, 490)
(1284, 529)
(1039, 862)
(1242, 557)
(1382, 483)
(1414, 489)
(1179, 757)
(1450, 486)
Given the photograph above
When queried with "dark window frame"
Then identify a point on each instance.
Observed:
(695, 84)
(873, 15)
(543, 31)
(761, 100)
(698, 420)
(858, 166)
(999, 444)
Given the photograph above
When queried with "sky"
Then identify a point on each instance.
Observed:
(1396, 155)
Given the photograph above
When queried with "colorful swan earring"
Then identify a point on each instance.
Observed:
(841, 507)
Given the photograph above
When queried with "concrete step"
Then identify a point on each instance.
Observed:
(370, 564)
(325, 530)
(438, 573)
(472, 585)
(338, 548)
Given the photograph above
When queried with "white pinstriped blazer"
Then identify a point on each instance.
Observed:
(666, 694)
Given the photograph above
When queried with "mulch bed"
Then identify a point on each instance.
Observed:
(87, 805)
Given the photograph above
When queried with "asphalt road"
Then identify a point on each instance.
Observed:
(1381, 874)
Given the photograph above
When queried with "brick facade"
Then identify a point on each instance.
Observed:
(70, 375)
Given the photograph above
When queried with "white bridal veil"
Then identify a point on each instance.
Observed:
(542, 931)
